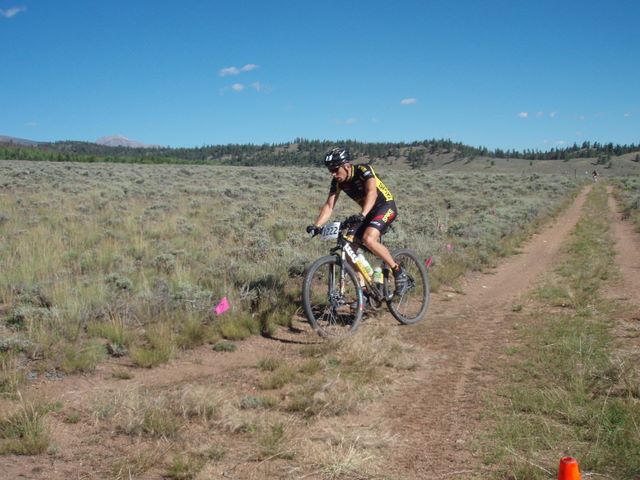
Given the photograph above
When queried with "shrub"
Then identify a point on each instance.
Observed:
(164, 263)
(251, 402)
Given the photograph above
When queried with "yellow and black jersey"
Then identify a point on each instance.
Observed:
(354, 185)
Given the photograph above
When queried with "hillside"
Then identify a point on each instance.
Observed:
(430, 154)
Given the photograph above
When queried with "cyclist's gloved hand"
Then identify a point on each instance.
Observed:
(313, 230)
(355, 219)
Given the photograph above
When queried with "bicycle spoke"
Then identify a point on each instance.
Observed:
(328, 295)
(411, 306)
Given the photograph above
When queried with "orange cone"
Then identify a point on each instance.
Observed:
(568, 469)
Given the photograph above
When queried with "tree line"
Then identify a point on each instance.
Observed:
(299, 152)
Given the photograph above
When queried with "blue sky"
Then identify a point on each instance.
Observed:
(501, 74)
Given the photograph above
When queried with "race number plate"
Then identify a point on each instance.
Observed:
(330, 231)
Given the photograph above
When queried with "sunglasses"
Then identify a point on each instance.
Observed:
(334, 169)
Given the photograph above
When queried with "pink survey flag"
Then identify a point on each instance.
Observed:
(222, 307)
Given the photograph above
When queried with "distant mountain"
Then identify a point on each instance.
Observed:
(18, 141)
(122, 141)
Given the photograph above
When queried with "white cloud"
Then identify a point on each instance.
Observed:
(540, 114)
(241, 87)
(348, 121)
(523, 114)
(408, 101)
(236, 71)
(229, 71)
(627, 114)
(31, 124)
(12, 12)
(552, 114)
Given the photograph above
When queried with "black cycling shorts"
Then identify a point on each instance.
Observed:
(379, 217)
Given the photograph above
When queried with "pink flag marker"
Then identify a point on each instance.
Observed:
(222, 307)
(428, 262)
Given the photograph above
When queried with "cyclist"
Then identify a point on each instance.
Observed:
(595, 175)
(378, 208)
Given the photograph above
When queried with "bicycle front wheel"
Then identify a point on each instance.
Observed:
(332, 298)
(411, 307)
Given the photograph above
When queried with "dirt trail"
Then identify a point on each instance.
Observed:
(436, 411)
(627, 241)
(433, 411)
(628, 253)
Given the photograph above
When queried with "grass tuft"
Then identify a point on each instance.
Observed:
(24, 432)
(158, 349)
(82, 357)
(184, 467)
(238, 327)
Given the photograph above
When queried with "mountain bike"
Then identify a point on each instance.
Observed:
(334, 296)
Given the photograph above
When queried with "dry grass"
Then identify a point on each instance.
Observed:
(25, 431)
(109, 251)
(569, 391)
(135, 257)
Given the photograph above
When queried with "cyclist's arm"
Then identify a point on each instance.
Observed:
(370, 195)
(327, 209)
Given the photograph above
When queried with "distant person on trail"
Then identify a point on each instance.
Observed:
(378, 208)
(595, 175)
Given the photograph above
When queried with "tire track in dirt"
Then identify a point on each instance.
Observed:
(626, 288)
(628, 252)
(462, 340)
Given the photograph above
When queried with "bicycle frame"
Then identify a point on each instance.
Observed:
(347, 253)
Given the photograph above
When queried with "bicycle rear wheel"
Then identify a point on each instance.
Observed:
(411, 307)
(332, 298)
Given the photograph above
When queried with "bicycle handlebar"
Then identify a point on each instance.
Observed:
(344, 224)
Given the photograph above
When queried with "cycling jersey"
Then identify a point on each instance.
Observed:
(354, 186)
(384, 210)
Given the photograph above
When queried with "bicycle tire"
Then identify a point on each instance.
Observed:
(331, 313)
(411, 307)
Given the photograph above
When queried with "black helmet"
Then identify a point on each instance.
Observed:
(336, 157)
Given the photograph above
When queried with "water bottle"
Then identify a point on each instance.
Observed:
(365, 264)
(377, 275)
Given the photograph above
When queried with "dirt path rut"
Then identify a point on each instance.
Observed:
(464, 338)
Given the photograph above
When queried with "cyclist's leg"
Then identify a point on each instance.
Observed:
(374, 225)
(371, 240)
(379, 222)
